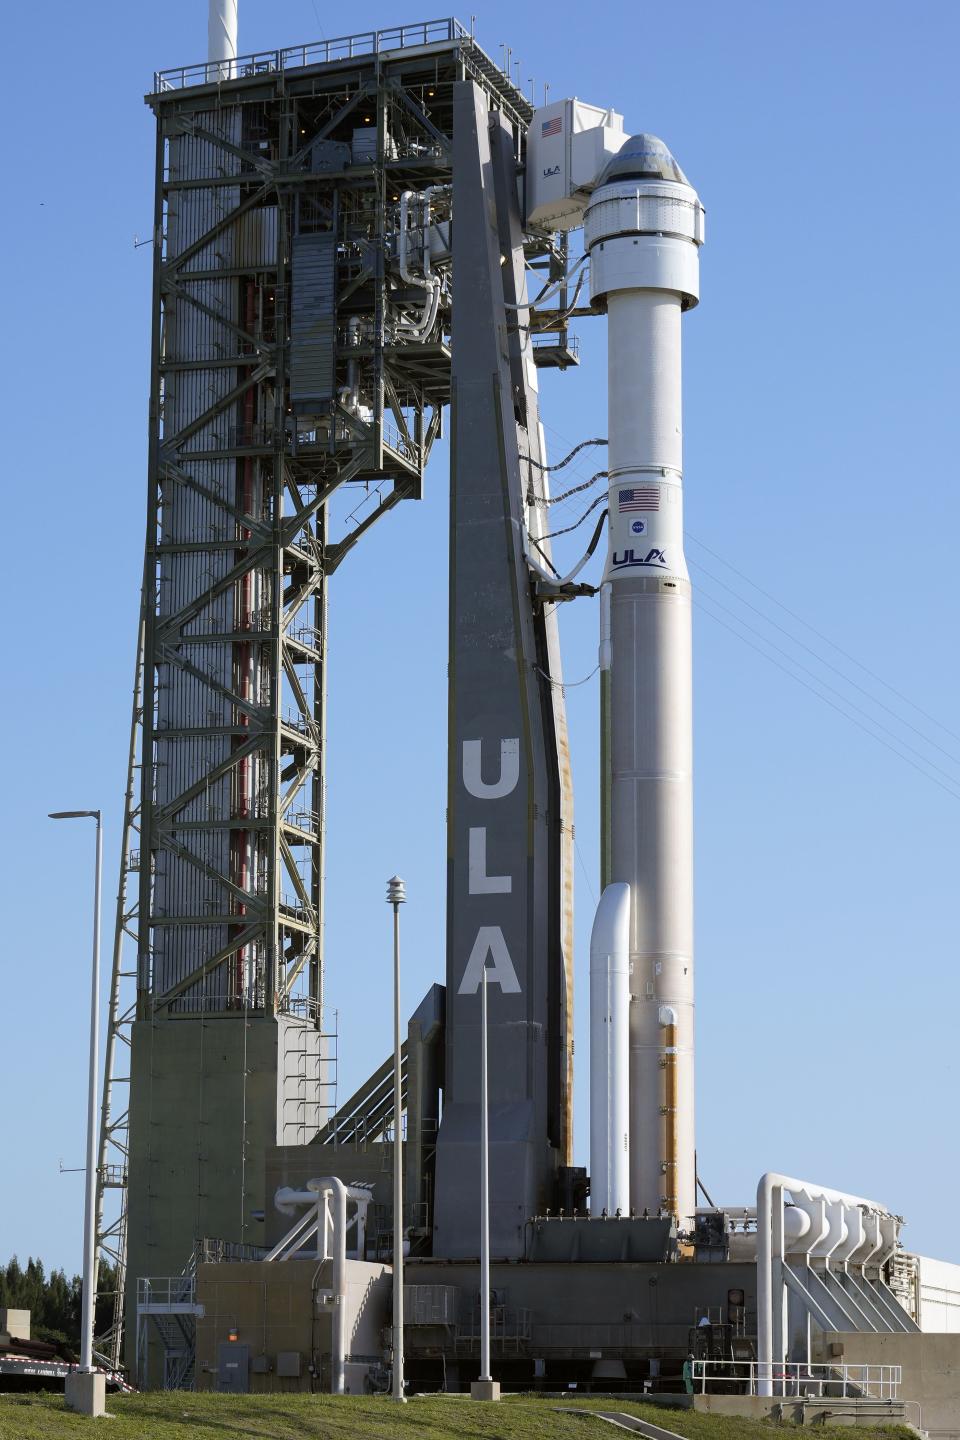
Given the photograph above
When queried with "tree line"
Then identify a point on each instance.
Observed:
(54, 1300)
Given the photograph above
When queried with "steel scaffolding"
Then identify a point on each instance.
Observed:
(284, 369)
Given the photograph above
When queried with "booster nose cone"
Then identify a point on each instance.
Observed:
(643, 157)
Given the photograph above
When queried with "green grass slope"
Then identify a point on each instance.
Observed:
(187, 1416)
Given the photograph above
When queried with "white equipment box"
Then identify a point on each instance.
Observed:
(568, 145)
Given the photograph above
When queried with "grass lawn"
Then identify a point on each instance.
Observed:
(189, 1416)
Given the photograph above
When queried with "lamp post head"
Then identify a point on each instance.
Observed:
(396, 891)
(74, 815)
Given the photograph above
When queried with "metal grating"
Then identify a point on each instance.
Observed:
(313, 324)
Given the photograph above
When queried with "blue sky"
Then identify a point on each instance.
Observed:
(821, 442)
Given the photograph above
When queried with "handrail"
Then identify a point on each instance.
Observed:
(317, 52)
(166, 1290)
(796, 1378)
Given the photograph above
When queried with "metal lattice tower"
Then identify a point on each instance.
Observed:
(289, 361)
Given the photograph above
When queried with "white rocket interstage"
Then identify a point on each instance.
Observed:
(643, 229)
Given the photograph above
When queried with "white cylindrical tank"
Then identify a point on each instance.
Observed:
(610, 1053)
(643, 229)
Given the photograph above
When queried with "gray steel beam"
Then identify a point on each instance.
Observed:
(504, 812)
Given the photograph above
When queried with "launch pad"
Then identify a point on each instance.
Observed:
(346, 238)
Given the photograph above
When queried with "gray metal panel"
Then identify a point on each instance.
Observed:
(503, 790)
(615, 1241)
(313, 321)
(233, 1368)
(289, 1363)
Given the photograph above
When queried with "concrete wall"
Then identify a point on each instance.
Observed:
(931, 1373)
(272, 1308)
(576, 1310)
(611, 1308)
(206, 1100)
(755, 1407)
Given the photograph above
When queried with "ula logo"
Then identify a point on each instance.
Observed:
(554, 171)
(630, 557)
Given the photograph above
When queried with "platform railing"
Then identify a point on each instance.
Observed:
(168, 1291)
(798, 1380)
(318, 52)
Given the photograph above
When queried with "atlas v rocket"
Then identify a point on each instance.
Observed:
(643, 229)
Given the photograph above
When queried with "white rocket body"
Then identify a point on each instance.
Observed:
(643, 228)
(610, 1053)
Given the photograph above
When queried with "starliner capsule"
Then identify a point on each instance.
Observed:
(643, 229)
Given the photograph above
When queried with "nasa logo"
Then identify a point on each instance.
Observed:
(630, 557)
(638, 527)
(555, 170)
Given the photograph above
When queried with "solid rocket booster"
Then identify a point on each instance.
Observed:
(643, 229)
(610, 1053)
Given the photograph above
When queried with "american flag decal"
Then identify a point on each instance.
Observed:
(551, 127)
(641, 497)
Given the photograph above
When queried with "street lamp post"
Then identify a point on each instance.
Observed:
(396, 895)
(486, 1388)
(484, 1191)
(87, 1393)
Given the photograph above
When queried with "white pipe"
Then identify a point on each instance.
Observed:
(419, 330)
(287, 1200)
(428, 195)
(352, 401)
(338, 1357)
(317, 1193)
(610, 1053)
(405, 270)
(770, 1234)
(222, 36)
(427, 200)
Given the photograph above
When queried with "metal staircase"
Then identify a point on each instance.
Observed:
(167, 1312)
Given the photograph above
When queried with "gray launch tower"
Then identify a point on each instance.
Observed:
(309, 293)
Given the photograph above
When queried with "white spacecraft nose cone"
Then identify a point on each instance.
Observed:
(643, 157)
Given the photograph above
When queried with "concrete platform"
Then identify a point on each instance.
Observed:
(849, 1411)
